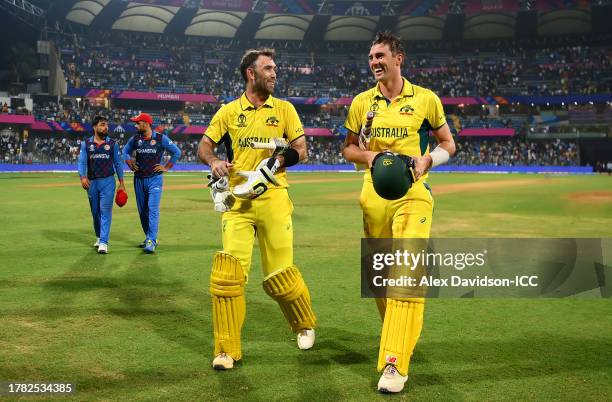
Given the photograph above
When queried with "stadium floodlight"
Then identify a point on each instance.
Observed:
(24, 10)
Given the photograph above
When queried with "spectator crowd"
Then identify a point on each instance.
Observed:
(147, 62)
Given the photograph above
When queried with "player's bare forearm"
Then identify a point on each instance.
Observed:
(206, 151)
(352, 153)
(445, 139)
(300, 146)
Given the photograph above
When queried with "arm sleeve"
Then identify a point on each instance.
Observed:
(118, 161)
(218, 125)
(435, 114)
(294, 129)
(171, 147)
(354, 117)
(83, 160)
(127, 149)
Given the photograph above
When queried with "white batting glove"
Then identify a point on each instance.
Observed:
(221, 194)
(257, 181)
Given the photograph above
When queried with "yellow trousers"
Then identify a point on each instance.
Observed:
(269, 218)
(408, 217)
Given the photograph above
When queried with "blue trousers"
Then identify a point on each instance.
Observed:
(148, 198)
(101, 194)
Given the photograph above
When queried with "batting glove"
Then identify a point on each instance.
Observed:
(257, 181)
(221, 195)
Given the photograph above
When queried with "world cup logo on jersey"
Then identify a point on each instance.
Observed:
(107, 147)
(241, 120)
(153, 142)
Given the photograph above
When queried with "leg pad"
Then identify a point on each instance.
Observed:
(227, 282)
(287, 287)
(403, 321)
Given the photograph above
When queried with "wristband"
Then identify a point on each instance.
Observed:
(439, 156)
(292, 157)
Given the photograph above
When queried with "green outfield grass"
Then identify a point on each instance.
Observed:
(129, 326)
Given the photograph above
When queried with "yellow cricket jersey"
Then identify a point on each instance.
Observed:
(239, 123)
(401, 125)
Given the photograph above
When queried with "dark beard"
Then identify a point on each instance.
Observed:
(260, 88)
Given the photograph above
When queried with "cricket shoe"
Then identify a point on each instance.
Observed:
(391, 381)
(144, 243)
(103, 248)
(305, 339)
(223, 362)
(149, 247)
(97, 243)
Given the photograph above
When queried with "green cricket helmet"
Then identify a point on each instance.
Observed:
(392, 175)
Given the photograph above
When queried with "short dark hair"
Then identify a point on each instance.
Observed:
(394, 42)
(251, 56)
(97, 119)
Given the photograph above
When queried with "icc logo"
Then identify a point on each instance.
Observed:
(387, 162)
(241, 120)
(374, 107)
(272, 121)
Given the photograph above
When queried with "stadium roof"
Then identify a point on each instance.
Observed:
(347, 20)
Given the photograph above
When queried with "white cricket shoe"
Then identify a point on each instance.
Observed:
(391, 380)
(306, 339)
(103, 248)
(223, 362)
(97, 243)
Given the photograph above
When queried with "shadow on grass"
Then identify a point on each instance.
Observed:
(82, 236)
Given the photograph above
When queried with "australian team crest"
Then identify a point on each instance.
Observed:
(374, 107)
(406, 110)
(272, 121)
(242, 120)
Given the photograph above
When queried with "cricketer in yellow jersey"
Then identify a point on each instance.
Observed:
(404, 115)
(256, 207)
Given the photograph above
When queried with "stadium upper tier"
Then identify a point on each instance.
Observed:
(328, 20)
(159, 63)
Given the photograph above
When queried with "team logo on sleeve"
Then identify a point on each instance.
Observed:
(272, 121)
(406, 110)
(242, 120)
(153, 142)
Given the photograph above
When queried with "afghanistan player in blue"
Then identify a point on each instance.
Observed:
(148, 183)
(99, 161)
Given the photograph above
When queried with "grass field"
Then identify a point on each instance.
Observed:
(129, 326)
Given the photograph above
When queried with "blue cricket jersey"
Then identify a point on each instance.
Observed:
(149, 152)
(97, 161)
